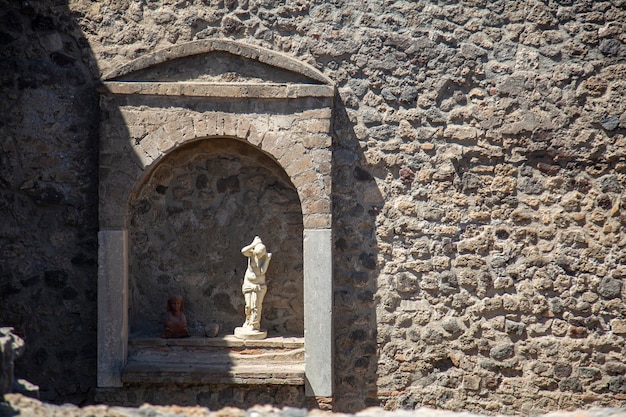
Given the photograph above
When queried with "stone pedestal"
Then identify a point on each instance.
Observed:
(247, 334)
(203, 361)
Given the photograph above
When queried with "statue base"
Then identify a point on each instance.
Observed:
(248, 334)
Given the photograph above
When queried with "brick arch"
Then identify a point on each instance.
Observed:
(308, 169)
(226, 142)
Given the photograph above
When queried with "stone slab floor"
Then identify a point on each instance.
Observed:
(19, 405)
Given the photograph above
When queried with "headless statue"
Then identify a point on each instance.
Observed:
(254, 289)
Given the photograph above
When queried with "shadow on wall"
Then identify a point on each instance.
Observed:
(357, 201)
(48, 196)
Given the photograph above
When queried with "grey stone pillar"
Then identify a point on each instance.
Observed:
(112, 306)
(318, 312)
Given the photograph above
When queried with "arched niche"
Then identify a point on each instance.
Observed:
(212, 97)
(187, 221)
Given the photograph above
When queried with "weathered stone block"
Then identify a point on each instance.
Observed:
(406, 282)
(502, 352)
(451, 325)
(618, 385)
(587, 372)
(471, 382)
(461, 133)
(515, 328)
(610, 287)
(618, 326)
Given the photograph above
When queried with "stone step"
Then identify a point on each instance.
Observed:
(223, 341)
(202, 360)
(213, 355)
(197, 373)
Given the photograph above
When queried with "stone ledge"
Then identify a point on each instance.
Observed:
(174, 373)
(217, 90)
(220, 360)
(224, 341)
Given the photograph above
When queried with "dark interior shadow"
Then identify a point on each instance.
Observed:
(7, 411)
(356, 203)
(48, 196)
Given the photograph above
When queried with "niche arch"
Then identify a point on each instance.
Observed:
(204, 92)
(187, 218)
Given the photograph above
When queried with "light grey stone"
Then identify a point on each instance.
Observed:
(112, 306)
(318, 313)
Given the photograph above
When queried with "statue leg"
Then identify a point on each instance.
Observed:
(253, 311)
(248, 309)
(257, 308)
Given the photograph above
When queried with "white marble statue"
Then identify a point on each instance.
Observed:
(254, 289)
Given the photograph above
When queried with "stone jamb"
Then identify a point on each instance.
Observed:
(318, 266)
(112, 306)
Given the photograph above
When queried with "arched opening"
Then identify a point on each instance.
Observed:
(190, 217)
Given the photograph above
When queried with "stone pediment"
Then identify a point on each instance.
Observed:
(217, 61)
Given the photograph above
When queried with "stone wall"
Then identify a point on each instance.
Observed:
(27, 406)
(479, 175)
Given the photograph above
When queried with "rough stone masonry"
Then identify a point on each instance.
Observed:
(479, 205)
(30, 407)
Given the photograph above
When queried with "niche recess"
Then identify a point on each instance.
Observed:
(203, 146)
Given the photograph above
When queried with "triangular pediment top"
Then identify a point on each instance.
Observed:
(218, 61)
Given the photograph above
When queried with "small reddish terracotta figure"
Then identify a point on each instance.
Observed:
(176, 323)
